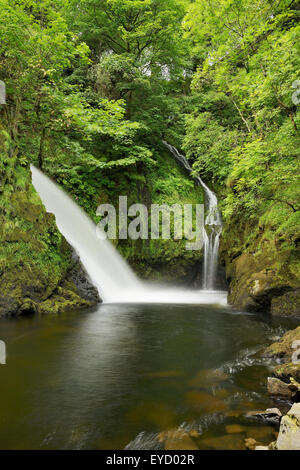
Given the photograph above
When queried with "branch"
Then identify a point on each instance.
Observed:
(242, 117)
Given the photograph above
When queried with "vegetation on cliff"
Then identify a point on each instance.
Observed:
(243, 134)
(38, 270)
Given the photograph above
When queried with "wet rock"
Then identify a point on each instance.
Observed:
(287, 351)
(178, 439)
(234, 429)
(227, 442)
(63, 300)
(270, 416)
(289, 433)
(278, 388)
(251, 443)
(82, 282)
(153, 413)
(204, 402)
(283, 349)
(208, 377)
(287, 372)
(262, 433)
(75, 292)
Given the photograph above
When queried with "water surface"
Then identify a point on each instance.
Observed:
(98, 379)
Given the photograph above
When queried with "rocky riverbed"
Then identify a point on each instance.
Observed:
(283, 385)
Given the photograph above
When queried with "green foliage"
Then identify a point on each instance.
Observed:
(92, 87)
(244, 131)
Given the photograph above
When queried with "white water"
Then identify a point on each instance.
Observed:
(113, 277)
(212, 229)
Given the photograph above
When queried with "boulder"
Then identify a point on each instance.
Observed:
(177, 439)
(286, 351)
(251, 444)
(278, 388)
(289, 433)
(226, 442)
(270, 416)
(283, 349)
(289, 371)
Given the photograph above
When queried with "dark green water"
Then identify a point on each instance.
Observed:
(96, 380)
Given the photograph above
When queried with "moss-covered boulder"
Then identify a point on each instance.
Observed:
(287, 372)
(262, 270)
(284, 349)
(37, 265)
(287, 352)
(289, 433)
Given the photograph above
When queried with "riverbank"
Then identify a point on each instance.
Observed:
(284, 387)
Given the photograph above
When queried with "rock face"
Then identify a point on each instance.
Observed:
(262, 274)
(76, 291)
(289, 433)
(287, 304)
(286, 380)
(38, 271)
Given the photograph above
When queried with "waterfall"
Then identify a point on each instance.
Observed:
(113, 277)
(106, 268)
(212, 228)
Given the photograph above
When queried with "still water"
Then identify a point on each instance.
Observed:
(119, 375)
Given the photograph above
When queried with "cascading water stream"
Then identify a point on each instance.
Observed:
(213, 225)
(106, 268)
(113, 277)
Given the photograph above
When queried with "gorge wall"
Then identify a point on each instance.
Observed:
(263, 274)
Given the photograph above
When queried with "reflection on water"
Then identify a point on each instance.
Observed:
(133, 375)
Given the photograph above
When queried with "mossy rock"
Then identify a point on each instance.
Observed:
(62, 300)
(283, 349)
(35, 259)
(288, 371)
(262, 274)
(287, 304)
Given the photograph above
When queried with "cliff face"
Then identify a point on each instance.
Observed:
(38, 269)
(263, 272)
